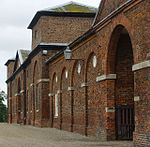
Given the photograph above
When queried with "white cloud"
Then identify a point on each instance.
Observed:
(14, 38)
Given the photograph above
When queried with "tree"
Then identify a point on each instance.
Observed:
(3, 108)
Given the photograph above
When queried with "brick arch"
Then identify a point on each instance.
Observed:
(62, 77)
(19, 85)
(63, 71)
(73, 70)
(53, 82)
(87, 64)
(35, 70)
(91, 98)
(120, 59)
(78, 98)
(112, 47)
(119, 23)
(65, 103)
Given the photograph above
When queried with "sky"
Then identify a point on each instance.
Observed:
(15, 16)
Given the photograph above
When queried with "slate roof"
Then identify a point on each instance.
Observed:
(72, 7)
(24, 54)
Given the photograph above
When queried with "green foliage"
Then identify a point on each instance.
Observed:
(3, 108)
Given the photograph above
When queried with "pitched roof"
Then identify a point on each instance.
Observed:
(21, 56)
(24, 54)
(106, 7)
(72, 7)
(40, 47)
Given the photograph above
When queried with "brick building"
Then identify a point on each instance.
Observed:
(103, 90)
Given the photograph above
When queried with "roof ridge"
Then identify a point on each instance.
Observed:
(81, 4)
(68, 3)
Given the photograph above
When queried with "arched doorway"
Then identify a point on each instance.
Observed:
(120, 61)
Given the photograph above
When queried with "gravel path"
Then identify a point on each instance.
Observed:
(29, 136)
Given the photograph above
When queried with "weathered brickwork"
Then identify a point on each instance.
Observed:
(51, 29)
(78, 98)
(104, 90)
(107, 7)
(10, 65)
(108, 90)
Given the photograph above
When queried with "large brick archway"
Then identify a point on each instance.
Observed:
(121, 99)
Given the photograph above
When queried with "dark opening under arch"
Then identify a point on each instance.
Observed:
(120, 61)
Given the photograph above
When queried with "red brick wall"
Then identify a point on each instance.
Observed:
(83, 109)
(92, 98)
(107, 7)
(142, 109)
(103, 93)
(59, 29)
(65, 102)
(28, 94)
(10, 69)
(78, 98)
(39, 90)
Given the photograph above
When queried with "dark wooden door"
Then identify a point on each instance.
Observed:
(124, 122)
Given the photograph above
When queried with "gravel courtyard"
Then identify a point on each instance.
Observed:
(28, 136)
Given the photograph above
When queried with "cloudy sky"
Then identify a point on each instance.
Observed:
(15, 16)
